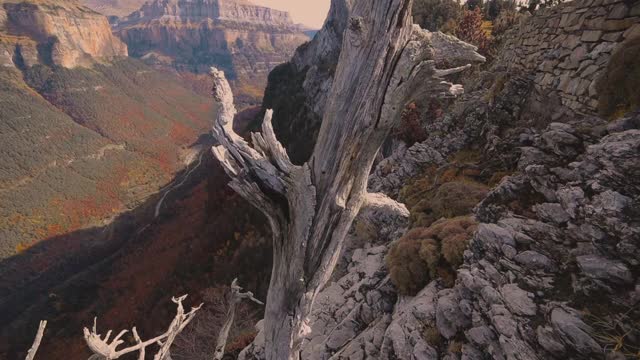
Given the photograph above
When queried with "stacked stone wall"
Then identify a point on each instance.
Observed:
(568, 47)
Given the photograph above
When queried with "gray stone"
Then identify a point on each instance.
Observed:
(509, 251)
(552, 212)
(481, 335)
(494, 236)
(450, 318)
(611, 271)
(549, 341)
(619, 11)
(612, 202)
(571, 199)
(632, 32)
(574, 332)
(617, 25)
(505, 325)
(534, 261)
(604, 47)
(571, 42)
(517, 300)
(590, 70)
(591, 35)
(613, 37)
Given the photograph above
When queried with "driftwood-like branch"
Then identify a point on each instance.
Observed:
(236, 297)
(31, 354)
(180, 321)
(385, 63)
(108, 350)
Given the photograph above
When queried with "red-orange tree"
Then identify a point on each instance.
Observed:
(470, 30)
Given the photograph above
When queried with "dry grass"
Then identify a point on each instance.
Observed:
(618, 334)
(432, 336)
(455, 347)
(451, 199)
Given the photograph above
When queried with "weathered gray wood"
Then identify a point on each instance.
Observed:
(385, 62)
(31, 354)
(236, 297)
(103, 349)
(180, 321)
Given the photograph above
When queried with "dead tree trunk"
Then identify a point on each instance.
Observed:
(384, 62)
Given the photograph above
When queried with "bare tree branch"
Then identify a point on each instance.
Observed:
(31, 354)
(236, 297)
(105, 350)
(181, 320)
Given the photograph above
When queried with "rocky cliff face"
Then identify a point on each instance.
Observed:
(118, 8)
(245, 40)
(297, 90)
(60, 33)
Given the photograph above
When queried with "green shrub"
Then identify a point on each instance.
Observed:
(618, 86)
(437, 15)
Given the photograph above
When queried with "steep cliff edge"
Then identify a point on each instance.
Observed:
(245, 40)
(62, 33)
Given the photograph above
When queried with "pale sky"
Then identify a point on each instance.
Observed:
(308, 12)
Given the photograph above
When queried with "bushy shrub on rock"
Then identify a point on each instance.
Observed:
(451, 199)
(407, 270)
(427, 253)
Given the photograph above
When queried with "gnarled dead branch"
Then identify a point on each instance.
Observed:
(180, 321)
(385, 63)
(31, 354)
(108, 350)
(236, 297)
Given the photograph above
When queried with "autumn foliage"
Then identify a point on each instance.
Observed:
(470, 29)
(410, 129)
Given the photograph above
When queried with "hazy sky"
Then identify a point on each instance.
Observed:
(309, 12)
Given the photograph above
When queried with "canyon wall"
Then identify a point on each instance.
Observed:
(55, 33)
(245, 40)
(568, 47)
(119, 8)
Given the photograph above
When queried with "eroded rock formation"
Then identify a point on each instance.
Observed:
(245, 40)
(60, 33)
